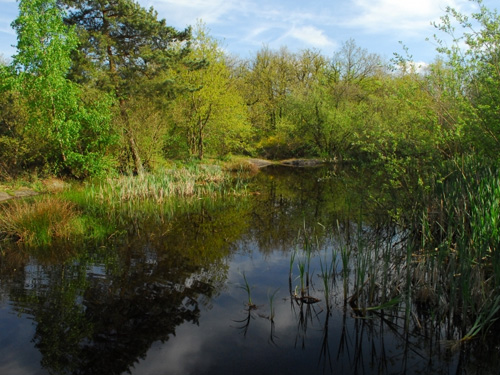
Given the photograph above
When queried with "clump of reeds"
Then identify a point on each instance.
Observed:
(242, 166)
(459, 237)
(308, 244)
(40, 221)
(327, 274)
(194, 181)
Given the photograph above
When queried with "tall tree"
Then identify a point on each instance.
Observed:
(73, 134)
(269, 79)
(124, 50)
(211, 112)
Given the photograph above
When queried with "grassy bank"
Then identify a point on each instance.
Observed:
(94, 209)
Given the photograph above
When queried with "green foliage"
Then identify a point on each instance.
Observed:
(15, 150)
(191, 181)
(126, 51)
(69, 134)
(265, 84)
(167, 94)
(210, 114)
(474, 59)
(457, 237)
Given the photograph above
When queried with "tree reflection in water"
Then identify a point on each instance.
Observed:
(100, 312)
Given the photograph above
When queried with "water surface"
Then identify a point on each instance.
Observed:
(166, 294)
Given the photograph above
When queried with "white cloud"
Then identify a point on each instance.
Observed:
(420, 67)
(184, 13)
(408, 17)
(311, 35)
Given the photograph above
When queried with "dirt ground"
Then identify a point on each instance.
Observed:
(17, 194)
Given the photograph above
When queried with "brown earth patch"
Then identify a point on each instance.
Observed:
(21, 193)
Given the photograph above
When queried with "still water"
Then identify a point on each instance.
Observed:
(249, 285)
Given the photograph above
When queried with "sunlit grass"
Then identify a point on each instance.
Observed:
(185, 182)
(96, 209)
(40, 221)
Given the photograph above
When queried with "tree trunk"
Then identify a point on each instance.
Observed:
(200, 144)
(139, 168)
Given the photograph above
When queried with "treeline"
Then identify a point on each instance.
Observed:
(99, 86)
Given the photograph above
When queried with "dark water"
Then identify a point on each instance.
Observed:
(166, 295)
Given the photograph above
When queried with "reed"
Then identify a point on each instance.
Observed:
(302, 277)
(193, 181)
(290, 271)
(327, 273)
(271, 297)
(460, 235)
(345, 254)
(246, 287)
(241, 166)
(486, 317)
(40, 221)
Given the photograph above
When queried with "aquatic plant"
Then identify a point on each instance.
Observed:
(302, 276)
(345, 253)
(194, 181)
(271, 304)
(246, 287)
(459, 264)
(293, 254)
(486, 317)
(327, 273)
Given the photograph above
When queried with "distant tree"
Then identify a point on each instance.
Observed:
(211, 113)
(269, 78)
(326, 107)
(352, 66)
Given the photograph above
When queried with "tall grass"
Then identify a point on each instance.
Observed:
(193, 181)
(272, 307)
(40, 221)
(99, 207)
(327, 274)
(459, 246)
(446, 265)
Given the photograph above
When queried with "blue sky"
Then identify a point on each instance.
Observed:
(245, 26)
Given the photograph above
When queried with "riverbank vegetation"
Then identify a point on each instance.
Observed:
(82, 100)
(99, 91)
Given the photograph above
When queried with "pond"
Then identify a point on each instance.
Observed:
(305, 274)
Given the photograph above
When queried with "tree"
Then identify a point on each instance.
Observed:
(211, 112)
(125, 50)
(72, 134)
(474, 61)
(326, 107)
(268, 80)
(14, 150)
